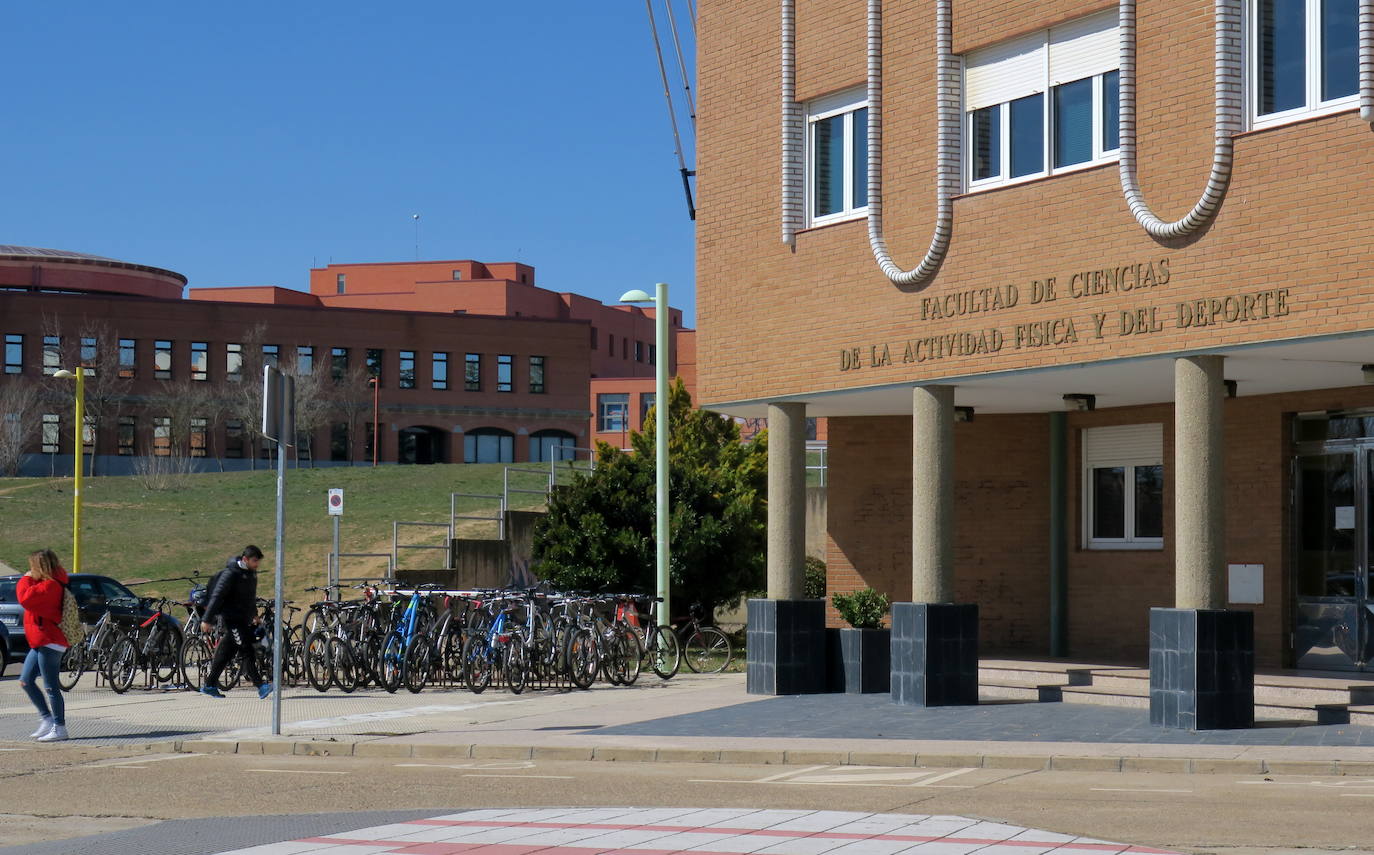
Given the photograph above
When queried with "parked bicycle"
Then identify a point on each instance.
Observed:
(705, 648)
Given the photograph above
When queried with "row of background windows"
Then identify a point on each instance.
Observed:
(613, 410)
(305, 363)
(643, 350)
(1303, 57)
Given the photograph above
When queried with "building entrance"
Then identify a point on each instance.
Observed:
(1333, 520)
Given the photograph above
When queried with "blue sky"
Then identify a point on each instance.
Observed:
(240, 143)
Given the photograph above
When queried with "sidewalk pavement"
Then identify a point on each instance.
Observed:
(690, 718)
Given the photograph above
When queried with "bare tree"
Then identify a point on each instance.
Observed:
(188, 408)
(242, 397)
(19, 406)
(313, 404)
(96, 349)
(353, 400)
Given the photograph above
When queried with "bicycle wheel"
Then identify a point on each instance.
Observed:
(73, 666)
(194, 660)
(391, 664)
(582, 659)
(293, 663)
(318, 670)
(417, 663)
(123, 665)
(315, 620)
(477, 665)
(708, 651)
(516, 665)
(343, 668)
(627, 655)
(664, 653)
(163, 659)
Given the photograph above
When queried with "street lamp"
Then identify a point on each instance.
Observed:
(78, 452)
(660, 301)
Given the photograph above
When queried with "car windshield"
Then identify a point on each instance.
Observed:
(7, 591)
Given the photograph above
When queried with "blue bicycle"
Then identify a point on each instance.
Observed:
(499, 646)
(405, 655)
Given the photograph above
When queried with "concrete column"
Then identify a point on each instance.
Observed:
(786, 500)
(932, 489)
(1199, 501)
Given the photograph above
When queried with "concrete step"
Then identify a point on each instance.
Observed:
(1105, 697)
(1361, 715)
(1047, 693)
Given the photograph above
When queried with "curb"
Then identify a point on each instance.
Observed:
(636, 754)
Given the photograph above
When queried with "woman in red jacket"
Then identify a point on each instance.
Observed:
(40, 593)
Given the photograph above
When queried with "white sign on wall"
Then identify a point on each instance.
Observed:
(1246, 583)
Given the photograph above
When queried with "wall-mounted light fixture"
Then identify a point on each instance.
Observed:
(963, 414)
(1079, 402)
(1368, 371)
(1230, 388)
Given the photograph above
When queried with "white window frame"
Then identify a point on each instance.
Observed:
(1313, 105)
(840, 104)
(1129, 462)
(1045, 89)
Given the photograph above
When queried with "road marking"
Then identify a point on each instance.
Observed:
(1362, 782)
(1358, 795)
(485, 775)
(852, 776)
(135, 762)
(1134, 790)
(789, 774)
(500, 764)
(296, 771)
(379, 715)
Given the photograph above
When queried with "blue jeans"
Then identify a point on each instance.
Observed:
(45, 662)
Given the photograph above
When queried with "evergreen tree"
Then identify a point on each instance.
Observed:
(599, 532)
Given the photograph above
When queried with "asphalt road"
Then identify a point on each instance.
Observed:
(69, 792)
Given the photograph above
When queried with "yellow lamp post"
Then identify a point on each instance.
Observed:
(78, 453)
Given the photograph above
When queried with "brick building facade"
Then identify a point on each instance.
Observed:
(1063, 315)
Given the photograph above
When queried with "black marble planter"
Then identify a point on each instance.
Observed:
(1202, 669)
(834, 661)
(866, 657)
(787, 650)
(935, 654)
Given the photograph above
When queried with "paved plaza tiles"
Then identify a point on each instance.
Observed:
(665, 831)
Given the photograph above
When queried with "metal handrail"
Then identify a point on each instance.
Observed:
(397, 546)
(499, 519)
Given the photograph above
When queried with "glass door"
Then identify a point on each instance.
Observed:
(1334, 514)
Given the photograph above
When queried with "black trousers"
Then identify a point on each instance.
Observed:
(238, 638)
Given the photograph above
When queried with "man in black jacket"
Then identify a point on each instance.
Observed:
(233, 598)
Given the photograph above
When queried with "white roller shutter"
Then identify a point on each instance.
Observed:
(1139, 445)
(1083, 48)
(1004, 72)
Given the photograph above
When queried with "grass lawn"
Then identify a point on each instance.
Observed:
(133, 534)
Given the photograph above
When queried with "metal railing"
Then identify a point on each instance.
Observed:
(499, 518)
(397, 546)
(335, 567)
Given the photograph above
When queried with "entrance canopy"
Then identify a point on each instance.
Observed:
(1293, 365)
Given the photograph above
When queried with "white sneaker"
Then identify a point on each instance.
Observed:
(44, 725)
(57, 734)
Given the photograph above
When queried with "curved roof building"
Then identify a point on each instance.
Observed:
(36, 269)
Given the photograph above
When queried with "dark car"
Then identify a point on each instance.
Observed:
(94, 594)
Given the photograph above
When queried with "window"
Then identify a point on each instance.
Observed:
(505, 373)
(639, 351)
(546, 445)
(233, 362)
(128, 358)
(200, 360)
(14, 353)
(611, 409)
(594, 342)
(537, 375)
(305, 359)
(439, 371)
(472, 372)
(52, 354)
(52, 433)
(338, 441)
(653, 354)
(646, 403)
(162, 436)
(162, 360)
(271, 355)
(233, 439)
(407, 369)
(457, 274)
(373, 360)
(837, 158)
(198, 434)
(1043, 103)
(127, 433)
(624, 348)
(89, 354)
(488, 445)
(1305, 57)
(340, 283)
(338, 364)
(88, 434)
(1123, 487)
(610, 343)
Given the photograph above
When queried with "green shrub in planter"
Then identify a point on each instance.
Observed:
(813, 583)
(863, 609)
